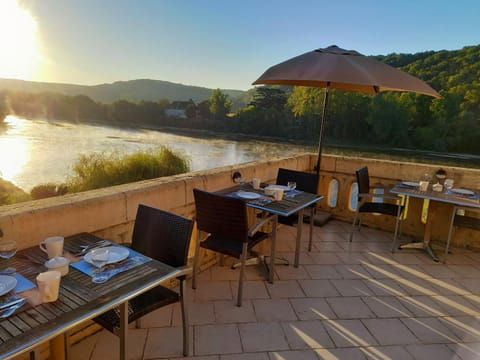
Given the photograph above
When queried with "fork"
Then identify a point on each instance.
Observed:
(86, 248)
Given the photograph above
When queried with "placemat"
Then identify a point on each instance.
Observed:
(134, 259)
(23, 283)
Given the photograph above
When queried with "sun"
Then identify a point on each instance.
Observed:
(18, 41)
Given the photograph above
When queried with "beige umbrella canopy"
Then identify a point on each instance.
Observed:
(337, 68)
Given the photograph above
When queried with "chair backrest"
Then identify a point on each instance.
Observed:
(221, 215)
(162, 235)
(363, 180)
(305, 181)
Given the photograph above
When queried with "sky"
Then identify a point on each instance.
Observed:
(223, 44)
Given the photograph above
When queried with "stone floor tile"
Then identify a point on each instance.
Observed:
(464, 271)
(455, 305)
(159, 317)
(293, 355)
(312, 308)
(318, 288)
(387, 352)
(285, 289)
(262, 337)
(212, 290)
(324, 258)
(417, 286)
(322, 272)
(340, 354)
(390, 331)
(351, 258)
(165, 342)
(473, 285)
(229, 312)
(251, 289)
(349, 307)
(107, 346)
(217, 339)
(198, 313)
(307, 335)
(353, 287)
(438, 270)
(430, 330)
(353, 271)
(421, 306)
(466, 328)
(290, 272)
(273, 310)
(469, 351)
(245, 356)
(386, 306)
(385, 287)
(432, 351)
(349, 333)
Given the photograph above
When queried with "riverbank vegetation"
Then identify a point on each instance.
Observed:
(406, 120)
(102, 170)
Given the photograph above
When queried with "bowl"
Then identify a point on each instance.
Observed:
(58, 263)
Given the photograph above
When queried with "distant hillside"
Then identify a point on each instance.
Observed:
(132, 90)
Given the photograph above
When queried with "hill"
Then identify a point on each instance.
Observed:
(132, 90)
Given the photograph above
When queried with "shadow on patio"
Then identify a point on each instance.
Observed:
(345, 301)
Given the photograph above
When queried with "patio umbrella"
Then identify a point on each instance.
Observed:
(336, 68)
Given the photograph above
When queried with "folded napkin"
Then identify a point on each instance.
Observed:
(23, 283)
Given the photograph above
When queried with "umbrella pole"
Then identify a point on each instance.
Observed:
(322, 127)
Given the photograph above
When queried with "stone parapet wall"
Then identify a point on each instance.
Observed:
(110, 212)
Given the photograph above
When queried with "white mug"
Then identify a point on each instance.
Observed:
(278, 194)
(53, 246)
(256, 183)
(424, 185)
(48, 285)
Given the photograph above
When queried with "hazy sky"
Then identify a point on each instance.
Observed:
(213, 43)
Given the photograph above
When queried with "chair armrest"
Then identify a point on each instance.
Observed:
(261, 223)
(184, 270)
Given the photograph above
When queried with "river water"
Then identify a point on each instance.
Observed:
(40, 152)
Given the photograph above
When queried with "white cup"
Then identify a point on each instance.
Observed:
(59, 264)
(53, 246)
(278, 194)
(48, 285)
(448, 183)
(424, 185)
(256, 183)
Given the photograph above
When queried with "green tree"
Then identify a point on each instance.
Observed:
(219, 103)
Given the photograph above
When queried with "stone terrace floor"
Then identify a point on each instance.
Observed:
(344, 301)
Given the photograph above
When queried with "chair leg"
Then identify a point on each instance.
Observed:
(397, 226)
(196, 261)
(450, 233)
(242, 274)
(311, 230)
(353, 225)
(185, 322)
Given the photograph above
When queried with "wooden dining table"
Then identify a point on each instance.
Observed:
(463, 198)
(294, 203)
(79, 298)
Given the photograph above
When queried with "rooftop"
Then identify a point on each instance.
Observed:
(345, 301)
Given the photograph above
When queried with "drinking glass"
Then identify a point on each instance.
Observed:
(448, 184)
(292, 185)
(8, 248)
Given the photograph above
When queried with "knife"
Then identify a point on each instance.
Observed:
(11, 303)
(98, 245)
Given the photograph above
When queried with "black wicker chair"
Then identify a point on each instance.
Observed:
(307, 182)
(163, 236)
(225, 221)
(393, 208)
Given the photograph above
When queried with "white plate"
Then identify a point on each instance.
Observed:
(279, 187)
(410, 183)
(115, 254)
(7, 283)
(462, 191)
(248, 195)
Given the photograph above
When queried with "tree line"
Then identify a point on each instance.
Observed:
(406, 120)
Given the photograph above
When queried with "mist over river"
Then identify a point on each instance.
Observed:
(34, 152)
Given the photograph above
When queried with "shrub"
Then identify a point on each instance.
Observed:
(108, 169)
(47, 190)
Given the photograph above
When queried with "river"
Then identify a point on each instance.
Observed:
(37, 152)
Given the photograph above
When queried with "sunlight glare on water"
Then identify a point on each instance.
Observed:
(35, 152)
